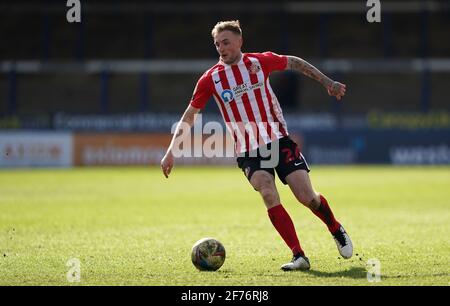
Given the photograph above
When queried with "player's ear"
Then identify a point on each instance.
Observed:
(241, 41)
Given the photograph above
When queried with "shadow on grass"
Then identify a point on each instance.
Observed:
(354, 272)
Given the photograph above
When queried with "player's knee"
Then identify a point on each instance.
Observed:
(269, 194)
(264, 184)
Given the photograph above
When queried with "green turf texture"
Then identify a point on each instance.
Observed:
(132, 226)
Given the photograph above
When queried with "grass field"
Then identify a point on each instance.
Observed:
(131, 226)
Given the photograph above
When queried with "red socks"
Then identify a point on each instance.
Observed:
(285, 227)
(326, 215)
(283, 224)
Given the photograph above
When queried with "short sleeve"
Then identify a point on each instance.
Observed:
(202, 92)
(273, 62)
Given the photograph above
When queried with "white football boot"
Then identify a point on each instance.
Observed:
(343, 243)
(298, 263)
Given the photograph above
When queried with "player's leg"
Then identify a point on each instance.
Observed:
(293, 170)
(264, 182)
(300, 184)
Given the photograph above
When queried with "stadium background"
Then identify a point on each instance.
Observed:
(108, 89)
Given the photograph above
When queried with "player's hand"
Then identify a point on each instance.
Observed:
(167, 164)
(336, 89)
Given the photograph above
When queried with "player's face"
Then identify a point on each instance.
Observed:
(228, 45)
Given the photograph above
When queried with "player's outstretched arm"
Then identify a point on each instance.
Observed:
(334, 88)
(187, 120)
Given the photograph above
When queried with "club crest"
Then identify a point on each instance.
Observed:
(254, 68)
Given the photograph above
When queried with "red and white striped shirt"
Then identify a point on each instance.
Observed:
(249, 107)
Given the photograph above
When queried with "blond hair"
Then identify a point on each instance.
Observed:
(230, 25)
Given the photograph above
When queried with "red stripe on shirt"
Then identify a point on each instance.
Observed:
(258, 96)
(246, 101)
(275, 118)
(233, 106)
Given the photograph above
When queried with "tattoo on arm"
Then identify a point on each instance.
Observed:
(302, 66)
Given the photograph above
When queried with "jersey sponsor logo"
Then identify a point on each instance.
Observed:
(254, 68)
(240, 90)
(227, 95)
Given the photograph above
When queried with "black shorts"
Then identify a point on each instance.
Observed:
(289, 160)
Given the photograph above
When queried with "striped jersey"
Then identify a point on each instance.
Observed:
(248, 105)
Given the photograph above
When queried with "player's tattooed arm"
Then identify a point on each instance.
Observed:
(334, 88)
(302, 66)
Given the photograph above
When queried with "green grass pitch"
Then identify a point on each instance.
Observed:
(131, 226)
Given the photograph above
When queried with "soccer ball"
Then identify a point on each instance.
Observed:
(208, 254)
